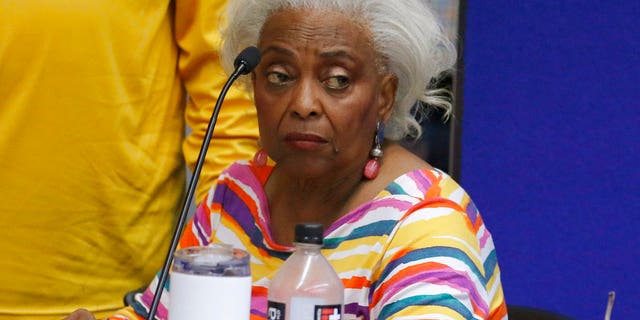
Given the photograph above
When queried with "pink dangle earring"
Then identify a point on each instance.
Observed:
(373, 165)
(260, 158)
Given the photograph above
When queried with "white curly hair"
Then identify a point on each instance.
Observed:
(407, 36)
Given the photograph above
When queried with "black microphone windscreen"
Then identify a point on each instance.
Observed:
(249, 57)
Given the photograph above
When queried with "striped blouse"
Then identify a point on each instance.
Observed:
(418, 250)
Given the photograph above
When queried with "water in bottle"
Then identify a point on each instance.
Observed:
(306, 287)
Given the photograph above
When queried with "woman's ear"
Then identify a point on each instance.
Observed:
(387, 98)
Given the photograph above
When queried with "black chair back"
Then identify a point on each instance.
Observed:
(530, 313)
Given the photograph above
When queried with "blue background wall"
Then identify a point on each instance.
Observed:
(549, 148)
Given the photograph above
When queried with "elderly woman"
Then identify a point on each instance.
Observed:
(336, 86)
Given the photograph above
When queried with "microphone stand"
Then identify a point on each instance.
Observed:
(242, 67)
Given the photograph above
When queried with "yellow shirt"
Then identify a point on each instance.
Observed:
(92, 121)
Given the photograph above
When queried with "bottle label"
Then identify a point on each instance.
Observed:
(304, 309)
(330, 312)
(276, 310)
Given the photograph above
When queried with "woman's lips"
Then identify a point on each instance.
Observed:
(304, 141)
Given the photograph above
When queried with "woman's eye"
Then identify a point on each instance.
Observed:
(337, 82)
(277, 78)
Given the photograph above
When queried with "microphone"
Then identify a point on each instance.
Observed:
(247, 60)
(244, 63)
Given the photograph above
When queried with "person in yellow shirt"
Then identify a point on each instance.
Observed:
(92, 132)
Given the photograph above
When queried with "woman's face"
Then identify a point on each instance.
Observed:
(318, 92)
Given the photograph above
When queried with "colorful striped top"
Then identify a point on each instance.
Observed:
(418, 250)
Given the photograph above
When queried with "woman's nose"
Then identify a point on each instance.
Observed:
(305, 102)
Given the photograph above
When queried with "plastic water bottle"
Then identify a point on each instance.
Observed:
(306, 287)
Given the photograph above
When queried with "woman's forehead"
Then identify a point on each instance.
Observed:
(315, 29)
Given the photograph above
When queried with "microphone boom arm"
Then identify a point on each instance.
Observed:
(251, 57)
